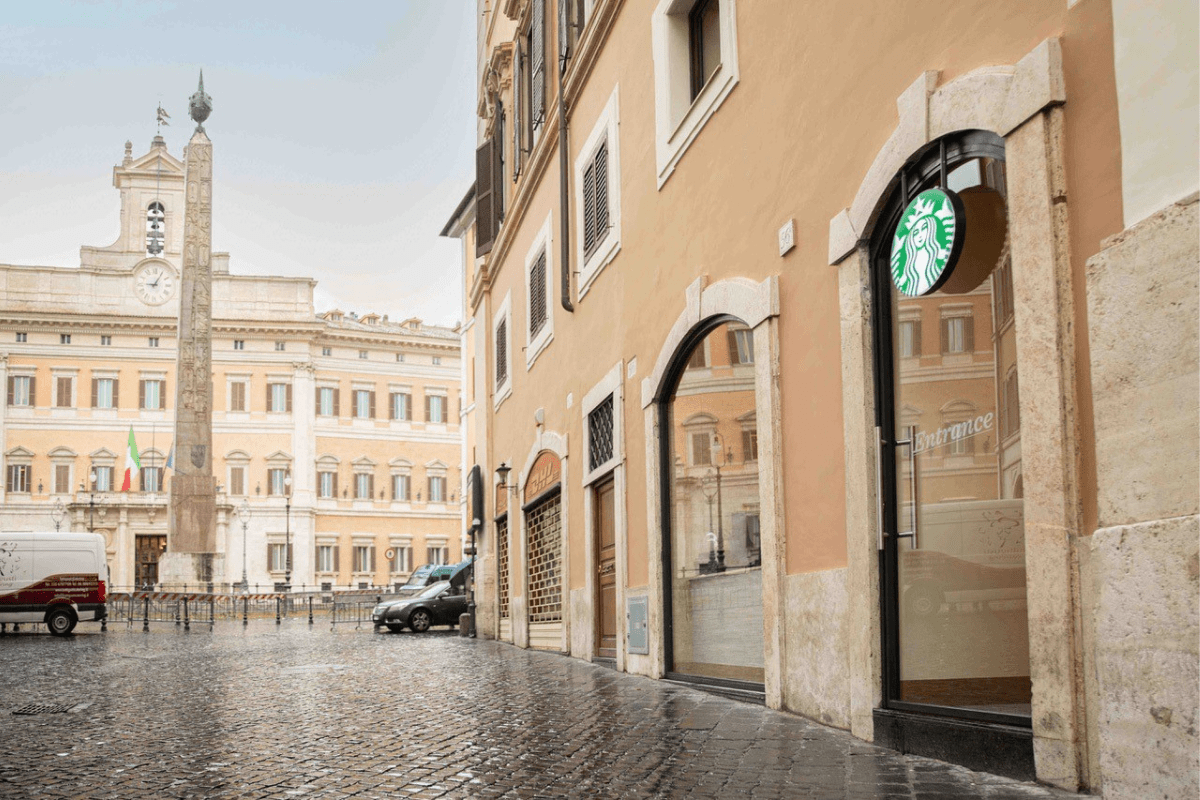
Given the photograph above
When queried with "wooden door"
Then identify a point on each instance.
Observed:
(604, 506)
(148, 550)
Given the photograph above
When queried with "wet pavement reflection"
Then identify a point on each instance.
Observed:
(294, 711)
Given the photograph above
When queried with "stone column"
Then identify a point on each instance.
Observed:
(3, 428)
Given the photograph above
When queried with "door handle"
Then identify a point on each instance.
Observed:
(911, 443)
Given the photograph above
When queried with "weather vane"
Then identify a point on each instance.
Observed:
(200, 105)
(163, 116)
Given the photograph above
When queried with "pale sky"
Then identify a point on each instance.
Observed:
(343, 134)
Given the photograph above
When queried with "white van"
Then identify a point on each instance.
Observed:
(55, 578)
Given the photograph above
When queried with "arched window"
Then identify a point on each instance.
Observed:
(155, 228)
(712, 535)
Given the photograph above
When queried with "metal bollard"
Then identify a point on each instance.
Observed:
(277, 605)
(187, 622)
(245, 611)
(146, 615)
(177, 613)
(310, 609)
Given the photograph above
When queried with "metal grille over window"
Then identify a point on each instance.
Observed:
(502, 352)
(537, 295)
(600, 433)
(502, 566)
(545, 557)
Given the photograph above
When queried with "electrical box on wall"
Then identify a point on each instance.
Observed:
(638, 628)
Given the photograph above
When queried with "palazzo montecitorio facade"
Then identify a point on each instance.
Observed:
(336, 433)
(844, 359)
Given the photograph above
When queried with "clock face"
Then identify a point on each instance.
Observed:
(154, 284)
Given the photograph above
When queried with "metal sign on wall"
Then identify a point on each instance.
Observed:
(546, 471)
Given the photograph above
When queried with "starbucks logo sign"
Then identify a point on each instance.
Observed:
(928, 242)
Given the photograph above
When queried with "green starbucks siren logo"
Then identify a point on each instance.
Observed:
(928, 242)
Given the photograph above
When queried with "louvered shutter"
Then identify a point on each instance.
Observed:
(162, 395)
(372, 550)
(372, 403)
(95, 390)
(12, 380)
(335, 488)
(916, 338)
(269, 408)
(969, 334)
(337, 561)
(289, 398)
(564, 29)
(270, 566)
(141, 394)
(33, 392)
(317, 401)
(485, 226)
(589, 207)
(337, 395)
(64, 392)
(502, 352)
(731, 338)
(601, 162)
(537, 46)
(518, 121)
(116, 393)
(371, 486)
(945, 335)
(288, 565)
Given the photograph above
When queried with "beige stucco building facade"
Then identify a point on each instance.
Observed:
(729, 443)
(338, 433)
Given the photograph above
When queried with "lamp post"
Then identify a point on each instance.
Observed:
(287, 527)
(720, 458)
(243, 515)
(57, 513)
(91, 501)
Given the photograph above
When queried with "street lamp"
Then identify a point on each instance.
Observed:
(720, 458)
(57, 513)
(287, 523)
(91, 501)
(243, 515)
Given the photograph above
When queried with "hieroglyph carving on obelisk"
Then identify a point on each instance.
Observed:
(193, 487)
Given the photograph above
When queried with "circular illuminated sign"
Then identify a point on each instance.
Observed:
(927, 242)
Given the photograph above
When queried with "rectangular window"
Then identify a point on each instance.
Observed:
(326, 351)
(401, 486)
(401, 403)
(909, 335)
(400, 357)
(280, 346)
(699, 358)
(239, 344)
(105, 341)
(327, 401)
(364, 558)
(437, 554)
(62, 478)
(958, 335)
(502, 353)
(595, 199)
(104, 392)
(364, 404)
(21, 390)
(750, 444)
(278, 557)
(104, 479)
(701, 449)
(18, 477)
(237, 396)
(327, 484)
(153, 341)
(402, 560)
(237, 481)
(437, 361)
(64, 389)
(435, 408)
(64, 338)
(22, 337)
(324, 558)
(704, 42)
(741, 346)
(437, 489)
(279, 397)
(150, 395)
(150, 479)
(537, 295)
(364, 486)
(277, 481)
(362, 354)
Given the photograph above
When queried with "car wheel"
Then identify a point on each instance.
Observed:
(60, 621)
(420, 620)
(395, 627)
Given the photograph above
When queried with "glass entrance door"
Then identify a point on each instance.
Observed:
(957, 625)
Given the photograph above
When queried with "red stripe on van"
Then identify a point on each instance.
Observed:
(74, 588)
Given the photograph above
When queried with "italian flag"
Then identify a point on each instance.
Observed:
(133, 464)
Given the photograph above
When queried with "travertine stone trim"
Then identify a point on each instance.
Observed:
(1045, 318)
(862, 523)
(655, 664)
(771, 505)
(1147, 651)
(992, 98)
(817, 683)
(1143, 306)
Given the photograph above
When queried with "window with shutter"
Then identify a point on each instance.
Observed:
(519, 115)
(701, 449)
(502, 352)
(237, 396)
(537, 68)
(65, 388)
(498, 182)
(537, 295)
(485, 230)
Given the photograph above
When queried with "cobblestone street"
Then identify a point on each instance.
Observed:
(300, 712)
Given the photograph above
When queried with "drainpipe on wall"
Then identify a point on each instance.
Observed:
(563, 174)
